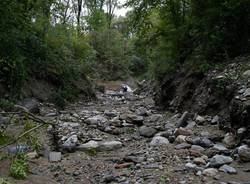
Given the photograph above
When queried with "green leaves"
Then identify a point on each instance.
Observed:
(19, 167)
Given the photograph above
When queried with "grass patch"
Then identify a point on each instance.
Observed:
(19, 167)
(4, 181)
(4, 139)
(6, 104)
(31, 139)
(92, 152)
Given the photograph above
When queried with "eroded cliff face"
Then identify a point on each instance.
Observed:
(224, 92)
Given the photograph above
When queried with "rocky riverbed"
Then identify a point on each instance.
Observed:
(124, 138)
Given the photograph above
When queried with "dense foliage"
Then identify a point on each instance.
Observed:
(65, 40)
(194, 32)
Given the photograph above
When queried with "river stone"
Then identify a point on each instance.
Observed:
(190, 166)
(247, 92)
(215, 120)
(244, 153)
(202, 141)
(197, 148)
(230, 140)
(141, 111)
(210, 172)
(180, 139)
(155, 118)
(147, 131)
(182, 146)
(71, 142)
(182, 122)
(96, 120)
(200, 119)
(246, 74)
(199, 161)
(134, 119)
(158, 141)
(183, 131)
(219, 160)
(109, 145)
(111, 113)
(227, 169)
(88, 146)
(220, 148)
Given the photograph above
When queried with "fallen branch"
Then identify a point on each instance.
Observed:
(30, 116)
(22, 135)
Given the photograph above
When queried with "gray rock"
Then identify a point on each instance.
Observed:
(96, 120)
(159, 141)
(241, 131)
(109, 145)
(191, 166)
(210, 172)
(230, 140)
(183, 131)
(247, 93)
(191, 124)
(181, 139)
(147, 131)
(182, 122)
(71, 142)
(111, 113)
(200, 119)
(227, 169)
(202, 141)
(155, 118)
(197, 148)
(141, 111)
(182, 146)
(219, 147)
(166, 134)
(219, 160)
(32, 155)
(244, 153)
(134, 119)
(246, 74)
(55, 156)
(215, 120)
(88, 146)
(200, 161)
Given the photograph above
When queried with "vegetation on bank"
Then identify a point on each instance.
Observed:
(64, 41)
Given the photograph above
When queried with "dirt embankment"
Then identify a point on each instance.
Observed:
(223, 92)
